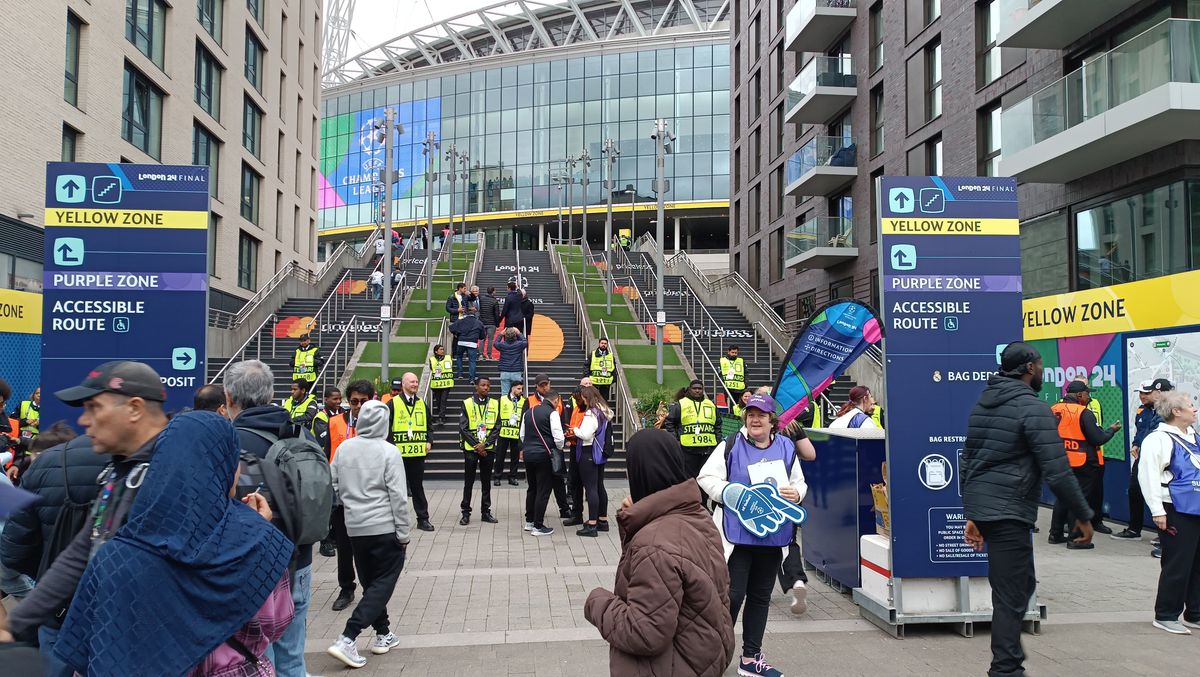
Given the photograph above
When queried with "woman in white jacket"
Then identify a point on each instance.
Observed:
(1169, 474)
(760, 455)
(590, 437)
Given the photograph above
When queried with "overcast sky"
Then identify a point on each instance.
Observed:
(376, 21)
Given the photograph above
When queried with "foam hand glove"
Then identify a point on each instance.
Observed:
(755, 513)
(790, 511)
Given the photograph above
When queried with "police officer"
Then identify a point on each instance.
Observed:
(306, 362)
(1082, 438)
(693, 420)
(29, 413)
(733, 371)
(602, 369)
(478, 429)
(302, 405)
(508, 445)
(410, 434)
(441, 381)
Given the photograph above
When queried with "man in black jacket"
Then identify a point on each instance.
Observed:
(123, 416)
(1012, 445)
(469, 331)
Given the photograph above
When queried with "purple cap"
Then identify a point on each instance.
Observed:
(762, 402)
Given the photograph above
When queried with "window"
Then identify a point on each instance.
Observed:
(252, 118)
(71, 70)
(255, 7)
(877, 121)
(933, 81)
(777, 127)
(145, 27)
(933, 156)
(737, 169)
(756, 36)
(777, 192)
(842, 289)
(214, 225)
(933, 9)
(989, 140)
(756, 95)
(737, 117)
(208, 82)
(1043, 241)
(874, 226)
(70, 141)
(737, 62)
(756, 143)
(876, 27)
(777, 255)
(737, 225)
(779, 71)
(755, 215)
(254, 57)
(806, 305)
(1147, 234)
(250, 188)
(755, 271)
(875, 289)
(209, 13)
(248, 262)
(987, 58)
(206, 150)
(141, 122)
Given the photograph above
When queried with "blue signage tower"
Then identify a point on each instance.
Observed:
(126, 275)
(950, 255)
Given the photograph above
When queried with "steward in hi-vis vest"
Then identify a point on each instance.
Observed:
(693, 420)
(441, 380)
(478, 429)
(29, 413)
(305, 362)
(1082, 441)
(410, 433)
(302, 405)
(733, 371)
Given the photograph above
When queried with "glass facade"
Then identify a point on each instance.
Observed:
(518, 123)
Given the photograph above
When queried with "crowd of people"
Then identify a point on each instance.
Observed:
(128, 510)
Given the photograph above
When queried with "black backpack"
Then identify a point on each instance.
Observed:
(72, 518)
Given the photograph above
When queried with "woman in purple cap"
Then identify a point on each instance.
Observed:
(758, 455)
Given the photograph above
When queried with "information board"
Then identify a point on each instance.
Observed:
(126, 275)
(950, 254)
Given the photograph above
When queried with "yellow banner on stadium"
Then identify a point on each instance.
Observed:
(20, 312)
(938, 226)
(126, 218)
(1157, 303)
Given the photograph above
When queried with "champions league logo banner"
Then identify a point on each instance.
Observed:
(835, 336)
(760, 508)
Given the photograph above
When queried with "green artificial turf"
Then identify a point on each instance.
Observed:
(642, 380)
(398, 353)
(622, 332)
(631, 355)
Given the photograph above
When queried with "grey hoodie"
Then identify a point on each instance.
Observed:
(368, 475)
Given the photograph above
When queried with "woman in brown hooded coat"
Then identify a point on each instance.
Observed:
(668, 614)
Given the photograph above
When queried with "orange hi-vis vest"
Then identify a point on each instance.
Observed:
(1069, 430)
(339, 431)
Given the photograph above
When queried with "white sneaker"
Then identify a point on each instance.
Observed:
(1173, 627)
(799, 598)
(1191, 624)
(345, 650)
(542, 531)
(384, 643)
(529, 526)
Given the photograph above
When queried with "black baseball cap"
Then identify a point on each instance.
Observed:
(1161, 385)
(539, 379)
(1015, 356)
(1077, 387)
(133, 379)
(397, 383)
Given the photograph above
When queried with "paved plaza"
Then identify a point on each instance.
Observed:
(491, 600)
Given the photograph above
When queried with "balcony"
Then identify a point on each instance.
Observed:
(1054, 24)
(824, 88)
(820, 243)
(813, 25)
(1141, 96)
(822, 166)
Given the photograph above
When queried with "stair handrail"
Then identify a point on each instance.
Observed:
(277, 279)
(347, 275)
(423, 389)
(347, 350)
(733, 278)
(696, 302)
(623, 397)
(688, 333)
(770, 339)
(239, 354)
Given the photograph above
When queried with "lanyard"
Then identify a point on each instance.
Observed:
(480, 412)
(411, 413)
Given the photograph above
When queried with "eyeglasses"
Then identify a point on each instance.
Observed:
(359, 400)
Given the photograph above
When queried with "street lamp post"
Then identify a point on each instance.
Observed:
(430, 150)
(465, 160)
(663, 139)
(386, 132)
(570, 163)
(610, 153)
(558, 183)
(585, 158)
(452, 175)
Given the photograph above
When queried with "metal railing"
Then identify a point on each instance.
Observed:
(240, 353)
(697, 356)
(623, 404)
(338, 357)
(443, 337)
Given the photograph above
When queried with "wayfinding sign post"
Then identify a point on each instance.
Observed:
(126, 275)
(950, 255)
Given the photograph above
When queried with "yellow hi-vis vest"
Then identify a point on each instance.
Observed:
(603, 368)
(510, 418)
(443, 373)
(480, 420)
(297, 409)
(734, 374)
(304, 364)
(699, 422)
(410, 427)
(32, 413)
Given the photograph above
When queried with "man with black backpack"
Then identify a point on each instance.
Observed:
(282, 461)
(123, 416)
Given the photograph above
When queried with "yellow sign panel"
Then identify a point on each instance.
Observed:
(126, 218)
(1158, 303)
(20, 312)
(936, 226)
